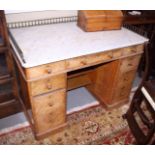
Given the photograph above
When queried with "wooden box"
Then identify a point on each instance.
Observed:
(98, 20)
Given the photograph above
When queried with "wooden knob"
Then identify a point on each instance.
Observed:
(49, 85)
(50, 104)
(125, 79)
(83, 62)
(110, 56)
(123, 87)
(133, 51)
(130, 64)
(49, 70)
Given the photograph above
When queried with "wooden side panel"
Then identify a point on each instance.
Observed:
(24, 91)
(49, 111)
(104, 81)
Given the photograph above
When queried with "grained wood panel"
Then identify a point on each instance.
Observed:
(104, 81)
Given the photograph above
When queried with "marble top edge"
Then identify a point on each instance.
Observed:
(25, 65)
(25, 38)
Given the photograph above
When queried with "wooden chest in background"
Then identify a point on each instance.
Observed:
(98, 20)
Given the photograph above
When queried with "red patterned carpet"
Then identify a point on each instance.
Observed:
(123, 137)
(91, 126)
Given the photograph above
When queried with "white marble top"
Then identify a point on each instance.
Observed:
(50, 43)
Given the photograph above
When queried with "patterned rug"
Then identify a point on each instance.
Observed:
(91, 126)
(124, 137)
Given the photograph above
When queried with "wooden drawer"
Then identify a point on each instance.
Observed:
(133, 50)
(49, 110)
(48, 84)
(89, 60)
(123, 87)
(130, 63)
(78, 81)
(100, 57)
(117, 53)
(76, 63)
(44, 70)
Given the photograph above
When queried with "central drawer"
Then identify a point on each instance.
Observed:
(99, 57)
(48, 84)
(88, 60)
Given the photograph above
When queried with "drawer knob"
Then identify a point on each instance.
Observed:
(49, 70)
(125, 79)
(110, 56)
(83, 63)
(50, 104)
(130, 64)
(133, 51)
(123, 87)
(49, 86)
